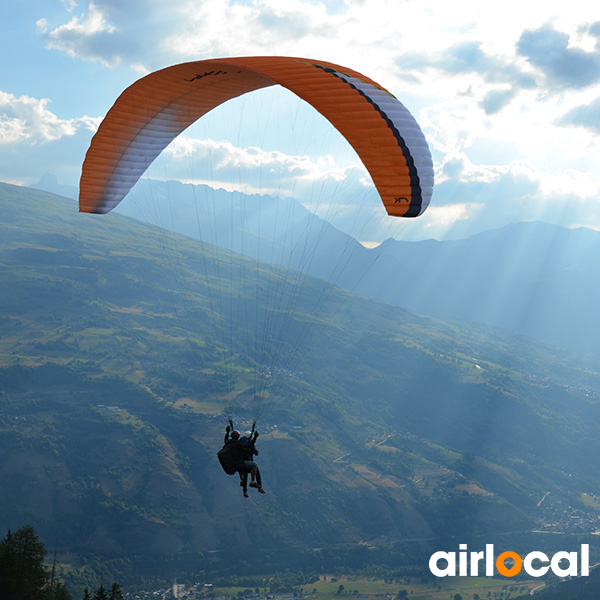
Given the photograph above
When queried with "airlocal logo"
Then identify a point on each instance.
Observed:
(509, 563)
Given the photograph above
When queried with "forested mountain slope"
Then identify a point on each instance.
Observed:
(121, 360)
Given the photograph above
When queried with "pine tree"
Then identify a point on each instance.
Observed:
(116, 592)
(23, 575)
(59, 592)
(100, 594)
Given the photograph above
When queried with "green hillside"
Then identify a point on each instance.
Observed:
(383, 433)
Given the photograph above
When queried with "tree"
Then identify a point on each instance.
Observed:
(23, 575)
(100, 594)
(58, 592)
(116, 592)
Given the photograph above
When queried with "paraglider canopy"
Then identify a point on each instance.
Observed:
(158, 107)
(154, 110)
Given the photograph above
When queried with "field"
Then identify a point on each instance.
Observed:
(341, 588)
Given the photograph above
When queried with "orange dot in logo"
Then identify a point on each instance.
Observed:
(516, 568)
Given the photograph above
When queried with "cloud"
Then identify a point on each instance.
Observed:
(28, 120)
(108, 32)
(496, 100)
(446, 216)
(492, 80)
(35, 140)
(469, 58)
(561, 65)
(87, 37)
(594, 30)
(69, 5)
(229, 28)
(250, 169)
(587, 116)
(155, 33)
(159, 32)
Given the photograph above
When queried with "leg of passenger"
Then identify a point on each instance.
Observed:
(259, 481)
(244, 476)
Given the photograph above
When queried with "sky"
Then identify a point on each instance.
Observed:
(507, 95)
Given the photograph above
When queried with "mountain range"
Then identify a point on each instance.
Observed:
(536, 279)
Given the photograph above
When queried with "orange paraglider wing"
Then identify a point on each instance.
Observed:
(158, 107)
